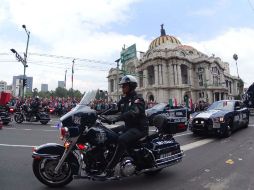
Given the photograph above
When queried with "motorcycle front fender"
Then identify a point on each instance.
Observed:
(55, 151)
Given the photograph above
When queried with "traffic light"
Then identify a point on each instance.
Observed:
(24, 82)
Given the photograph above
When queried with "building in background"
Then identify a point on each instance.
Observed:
(61, 84)
(44, 88)
(17, 83)
(3, 86)
(172, 70)
(9, 88)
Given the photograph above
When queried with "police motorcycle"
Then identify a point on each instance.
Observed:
(4, 115)
(26, 114)
(89, 145)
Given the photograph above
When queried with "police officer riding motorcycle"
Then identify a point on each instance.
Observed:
(93, 151)
(32, 113)
(132, 108)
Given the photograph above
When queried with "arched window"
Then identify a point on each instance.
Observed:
(184, 73)
(151, 77)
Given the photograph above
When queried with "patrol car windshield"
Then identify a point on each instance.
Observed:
(88, 98)
(222, 105)
(159, 106)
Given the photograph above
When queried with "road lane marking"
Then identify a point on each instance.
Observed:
(17, 145)
(182, 134)
(47, 130)
(196, 144)
(184, 147)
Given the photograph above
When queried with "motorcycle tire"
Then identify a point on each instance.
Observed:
(44, 122)
(44, 171)
(19, 118)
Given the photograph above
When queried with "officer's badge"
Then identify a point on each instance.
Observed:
(137, 101)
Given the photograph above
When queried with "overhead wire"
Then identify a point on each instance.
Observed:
(63, 65)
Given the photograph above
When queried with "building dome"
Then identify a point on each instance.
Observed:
(185, 47)
(164, 40)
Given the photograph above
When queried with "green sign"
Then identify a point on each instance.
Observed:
(128, 53)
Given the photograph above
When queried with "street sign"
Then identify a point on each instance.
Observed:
(129, 53)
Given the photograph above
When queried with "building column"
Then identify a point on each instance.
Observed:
(165, 74)
(175, 75)
(159, 74)
(156, 75)
(179, 75)
(190, 76)
(145, 78)
(109, 90)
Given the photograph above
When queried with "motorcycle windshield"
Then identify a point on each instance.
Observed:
(83, 106)
(88, 98)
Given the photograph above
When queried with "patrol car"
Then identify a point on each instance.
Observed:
(222, 118)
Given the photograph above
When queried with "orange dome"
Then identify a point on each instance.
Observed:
(164, 39)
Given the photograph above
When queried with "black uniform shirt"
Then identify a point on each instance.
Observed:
(132, 109)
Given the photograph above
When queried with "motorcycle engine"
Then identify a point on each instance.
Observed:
(127, 167)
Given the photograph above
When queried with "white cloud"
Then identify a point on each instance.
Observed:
(69, 28)
(233, 41)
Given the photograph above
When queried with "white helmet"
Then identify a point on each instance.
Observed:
(131, 80)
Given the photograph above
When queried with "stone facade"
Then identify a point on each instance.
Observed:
(169, 69)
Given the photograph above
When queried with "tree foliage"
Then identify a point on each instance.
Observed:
(58, 92)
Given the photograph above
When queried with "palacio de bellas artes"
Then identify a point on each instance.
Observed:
(172, 70)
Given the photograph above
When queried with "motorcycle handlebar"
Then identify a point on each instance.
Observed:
(105, 119)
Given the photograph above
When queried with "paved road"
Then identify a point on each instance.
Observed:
(209, 162)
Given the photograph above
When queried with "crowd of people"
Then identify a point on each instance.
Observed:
(59, 105)
(63, 105)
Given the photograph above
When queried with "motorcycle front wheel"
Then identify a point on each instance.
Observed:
(44, 171)
(19, 118)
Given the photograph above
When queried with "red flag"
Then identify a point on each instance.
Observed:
(175, 102)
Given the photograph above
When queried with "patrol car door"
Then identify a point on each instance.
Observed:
(237, 115)
(244, 114)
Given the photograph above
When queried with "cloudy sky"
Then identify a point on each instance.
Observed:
(93, 33)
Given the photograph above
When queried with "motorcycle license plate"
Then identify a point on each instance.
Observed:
(165, 155)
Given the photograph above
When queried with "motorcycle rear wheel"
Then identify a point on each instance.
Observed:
(44, 171)
(19, 118)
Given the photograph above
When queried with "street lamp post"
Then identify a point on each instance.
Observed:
(23, 60)
(235, 56)
(117, 79)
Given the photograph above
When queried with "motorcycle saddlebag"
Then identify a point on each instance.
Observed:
(169, 125)
(166, 150)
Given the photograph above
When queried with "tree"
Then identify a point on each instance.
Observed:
(61, 92)
(77, 94)
(35, 92)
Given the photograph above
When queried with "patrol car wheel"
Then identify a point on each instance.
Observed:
(227, 132)
(247, 124)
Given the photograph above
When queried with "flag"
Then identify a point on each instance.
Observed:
(175, 102)
(170, 102)
(72, 71)
(65, 79)
(190, 103)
